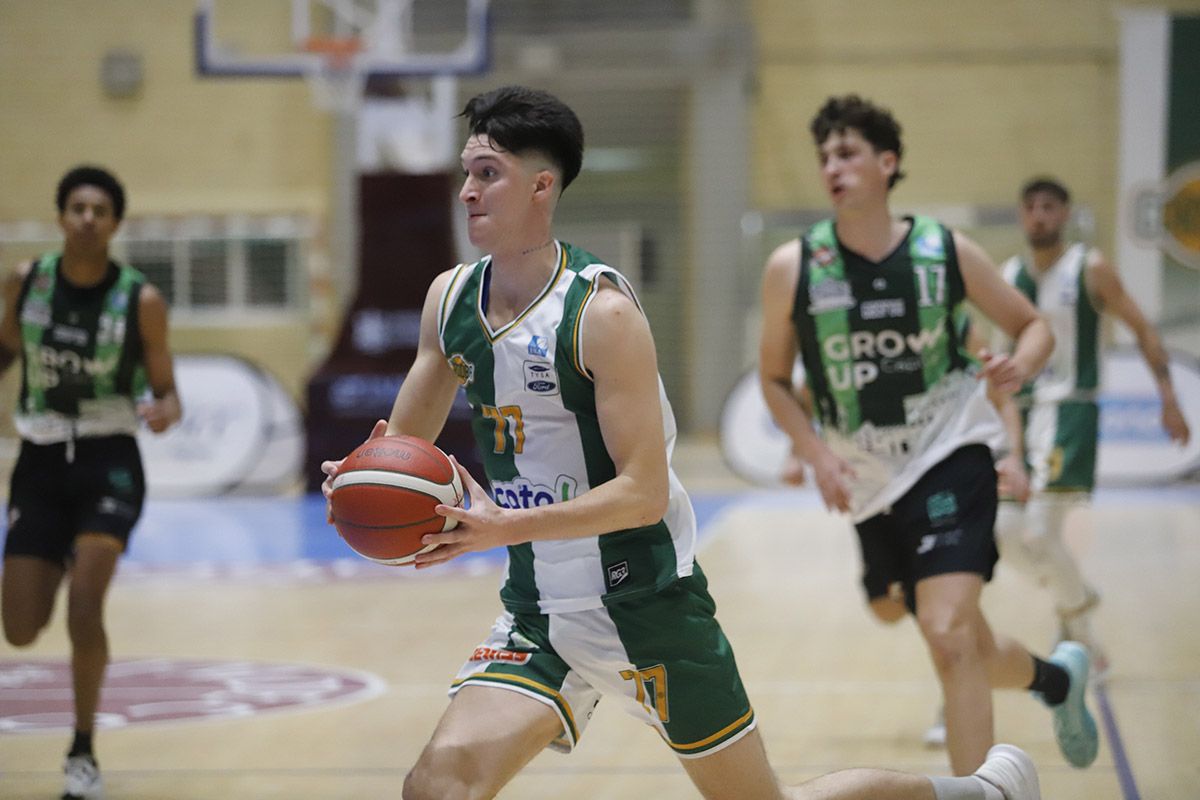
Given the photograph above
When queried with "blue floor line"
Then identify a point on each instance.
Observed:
(1115, 744)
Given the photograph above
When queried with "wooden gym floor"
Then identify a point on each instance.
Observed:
(330, 673)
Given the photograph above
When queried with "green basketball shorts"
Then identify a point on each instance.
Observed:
(664, 657)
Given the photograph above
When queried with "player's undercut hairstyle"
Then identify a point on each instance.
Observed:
(523, 120)
(92, 176)
(1048, 185)
(875, 123)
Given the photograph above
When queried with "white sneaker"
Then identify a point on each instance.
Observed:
(935, 734)
(83, 778)
(1011, 771)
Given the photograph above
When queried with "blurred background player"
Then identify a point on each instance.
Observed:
(602, 594)
(1072, 285)
(872, 304)
(91, 334)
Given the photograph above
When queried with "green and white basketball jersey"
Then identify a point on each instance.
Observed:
(1060, 294)
(82, 354)
(534, 420)
(884, 357)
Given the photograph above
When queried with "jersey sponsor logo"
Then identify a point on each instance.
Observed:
(889, 308)
(851, 357)
(463, 370)
(930, 246)
(538, 346)
(54, 367)
(497, 654)
(901, 366)
(524, 493)
(617, 573)
(888, 441)
(118, 302)
(36, 312)
(68, 334)
(824, 256)
(540, 377)
(1068, 291)
(829, 295)
(111, 330)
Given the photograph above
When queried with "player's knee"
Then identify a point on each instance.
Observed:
(888, 610)
(19, 633)
(952, 639)
(443, 775)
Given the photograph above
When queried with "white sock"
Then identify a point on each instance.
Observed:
(972, 787)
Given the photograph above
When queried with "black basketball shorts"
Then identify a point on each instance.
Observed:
(56, 494)
(945, 523)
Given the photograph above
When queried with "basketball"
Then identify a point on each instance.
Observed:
(384, 495)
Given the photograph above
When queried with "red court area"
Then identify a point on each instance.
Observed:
(35, 695)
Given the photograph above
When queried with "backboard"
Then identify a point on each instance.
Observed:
(378, 38)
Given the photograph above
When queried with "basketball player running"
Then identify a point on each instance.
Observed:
(1072, 285)
(91, 335)
(873, 305)
(603, 594)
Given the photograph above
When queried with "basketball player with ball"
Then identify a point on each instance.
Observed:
(603, 595)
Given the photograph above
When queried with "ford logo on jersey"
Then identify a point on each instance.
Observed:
(540, 378)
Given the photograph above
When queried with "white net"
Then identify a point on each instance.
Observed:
(335, 77)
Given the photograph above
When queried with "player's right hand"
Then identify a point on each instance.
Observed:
(833, 475)
(330, 468)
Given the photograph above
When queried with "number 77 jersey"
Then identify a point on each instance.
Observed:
(534, 420)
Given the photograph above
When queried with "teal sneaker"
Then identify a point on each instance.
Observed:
(1074, 726)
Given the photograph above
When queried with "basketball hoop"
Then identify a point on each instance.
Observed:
(334, 74)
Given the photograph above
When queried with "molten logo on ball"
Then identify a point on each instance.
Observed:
(384, 495)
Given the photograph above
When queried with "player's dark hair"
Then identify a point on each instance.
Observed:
(92, 176)
(876, 124)
(521, 120)
(1048, 185)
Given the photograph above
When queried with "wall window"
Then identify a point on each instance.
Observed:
(206, 267)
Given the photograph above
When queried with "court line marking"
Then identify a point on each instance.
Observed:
(1116, 746)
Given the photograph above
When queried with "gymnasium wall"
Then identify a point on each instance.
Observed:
(180, 145)
(988, 93)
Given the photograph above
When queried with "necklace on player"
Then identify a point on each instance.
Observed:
(541, 246)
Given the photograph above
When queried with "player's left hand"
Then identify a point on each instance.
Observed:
(1003, 374)
(1174, 423)
(330, 468)
(1012, 481)
(482, 525)
(159, 413)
